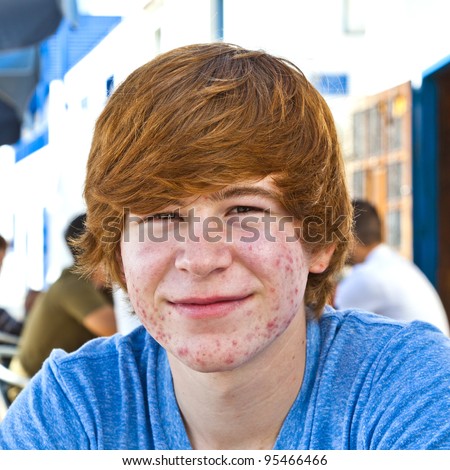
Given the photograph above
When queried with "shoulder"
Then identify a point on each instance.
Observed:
(118, 361)
(364, 332)
(389, 381)
(117, 348)
(99, 393)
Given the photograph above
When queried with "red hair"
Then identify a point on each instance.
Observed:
(201, 117)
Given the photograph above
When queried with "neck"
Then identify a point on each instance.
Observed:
(361, 252)
(243, 408)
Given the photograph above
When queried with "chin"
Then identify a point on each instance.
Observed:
(209, 363)
(209, 367)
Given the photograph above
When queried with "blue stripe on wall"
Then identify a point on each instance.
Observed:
(25, 149)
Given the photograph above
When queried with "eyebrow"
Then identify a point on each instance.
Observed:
(236, 191)
(230, 192)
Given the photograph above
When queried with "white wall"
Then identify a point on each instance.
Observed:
(403, 37)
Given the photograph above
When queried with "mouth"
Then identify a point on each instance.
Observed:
(208, 307)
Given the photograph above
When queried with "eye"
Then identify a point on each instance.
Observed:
(246, 209)
(165, 217)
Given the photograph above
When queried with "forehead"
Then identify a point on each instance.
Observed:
(182, 197)
(264, 188)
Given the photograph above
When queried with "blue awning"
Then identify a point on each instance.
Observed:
(24, 23)
(19, 74)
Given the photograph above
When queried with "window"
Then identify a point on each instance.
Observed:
(359, 134)
(394, 180)
(394, 228)
(396, 110)
(358, 184)
(331, 83)
(354, 16)
(374, 131)
(158, 40)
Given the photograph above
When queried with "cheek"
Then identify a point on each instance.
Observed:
(144, 262)
(142, 266)
(290, 269)
(283, 268)
(143, 305)
(155, 321)
(288, 263)
(284, 263)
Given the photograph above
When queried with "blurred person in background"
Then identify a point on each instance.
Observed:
(70, 313)
(382, 281)
(8, 324)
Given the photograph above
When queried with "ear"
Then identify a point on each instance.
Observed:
(320, 260)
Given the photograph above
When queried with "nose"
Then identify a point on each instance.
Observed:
(201, 255)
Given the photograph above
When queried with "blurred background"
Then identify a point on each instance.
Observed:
(383, 66)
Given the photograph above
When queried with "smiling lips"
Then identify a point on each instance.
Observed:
(208, 307)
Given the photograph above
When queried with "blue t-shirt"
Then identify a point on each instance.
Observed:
(369, 383)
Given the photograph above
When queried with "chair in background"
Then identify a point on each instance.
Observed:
(7, 377)
(7, 338)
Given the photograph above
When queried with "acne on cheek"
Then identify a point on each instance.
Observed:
(287, 263)
(147, 314)
(183, 351)
(229, 359)
(160, 336)
(272, 324)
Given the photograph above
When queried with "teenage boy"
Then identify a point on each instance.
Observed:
(216, 197)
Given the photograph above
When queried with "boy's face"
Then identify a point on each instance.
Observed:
(218, 278)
